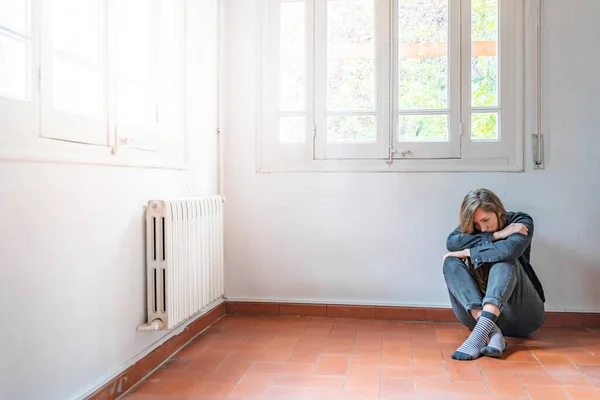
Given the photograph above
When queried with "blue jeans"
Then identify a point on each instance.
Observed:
(509, 288)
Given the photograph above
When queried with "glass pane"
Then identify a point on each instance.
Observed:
(484, 126)
(423, 54)
(76, 89)
(422, 128)
(352, 129)
(137, 72)
(14, 15)
(293, 59)
(14, 67)
(351, 55)
(291, 129)
(484, 61)
(76, 28)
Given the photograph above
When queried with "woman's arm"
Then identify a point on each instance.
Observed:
(458, 241)
(509, 248)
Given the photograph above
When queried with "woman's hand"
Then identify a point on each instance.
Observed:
(458, 254)
(511, 230)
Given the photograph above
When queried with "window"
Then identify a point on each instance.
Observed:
(148, 76)
(136, 72)
(392, 84)
(19, 98)
(73, 80)
(95, 80)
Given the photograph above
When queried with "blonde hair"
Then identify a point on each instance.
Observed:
(488, 202)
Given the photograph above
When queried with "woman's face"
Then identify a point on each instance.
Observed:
(485, 221)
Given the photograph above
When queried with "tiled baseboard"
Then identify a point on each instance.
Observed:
(132, 375)
(340, 311)
(553, 319)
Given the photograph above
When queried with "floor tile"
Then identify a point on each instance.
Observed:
(552, 380)
(308, 381)
(546, 393)
(505, 385)
(332, 365)
(334, 358)
(253, 386)
(582, 393)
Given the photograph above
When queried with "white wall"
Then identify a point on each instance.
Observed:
(379, 238)
(72, 289)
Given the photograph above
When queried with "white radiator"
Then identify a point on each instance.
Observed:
(184, 258)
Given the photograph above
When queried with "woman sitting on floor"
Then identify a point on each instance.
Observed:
(493, 288)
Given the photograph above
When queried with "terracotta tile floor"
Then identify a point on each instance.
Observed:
(339, 359)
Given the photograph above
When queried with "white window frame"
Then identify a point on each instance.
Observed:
(33, 131)
(325, 150)
(158, 133)
(62, 125)
(19, 118)
(431, 150)
(518, 64)
(131, 136)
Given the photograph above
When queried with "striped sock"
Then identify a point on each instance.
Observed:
(477, 340)
(497, 344)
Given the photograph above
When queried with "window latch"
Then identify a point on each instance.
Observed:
(391, 156)
(537, 148)
(402, 152)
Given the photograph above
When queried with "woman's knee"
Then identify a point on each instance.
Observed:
(453, 265)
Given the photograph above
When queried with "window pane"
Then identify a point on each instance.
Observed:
(76, 88)
(484, 68)
(14, 67)
(14, 15)
(422, 54)
(423, 128)
(484, 126)
(137, 66)
(76, 28)
(352, 129)
(351, 55)
(293, 59)
(291, 129)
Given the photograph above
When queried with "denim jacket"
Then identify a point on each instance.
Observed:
(485, 250)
